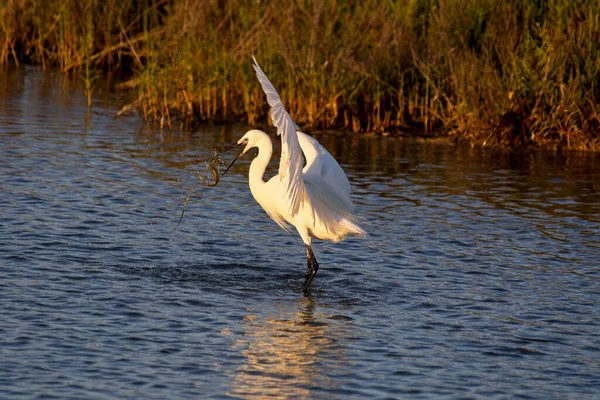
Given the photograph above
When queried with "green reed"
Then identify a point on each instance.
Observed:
(513, 72)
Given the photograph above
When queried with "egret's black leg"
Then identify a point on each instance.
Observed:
(312, 266)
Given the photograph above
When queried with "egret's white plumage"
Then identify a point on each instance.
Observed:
(313, 197)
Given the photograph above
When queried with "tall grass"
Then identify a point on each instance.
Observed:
(511, 72)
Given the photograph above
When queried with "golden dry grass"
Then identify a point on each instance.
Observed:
(513, 72)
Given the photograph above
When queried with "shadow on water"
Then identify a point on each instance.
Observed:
(227, 279)
(265, 280)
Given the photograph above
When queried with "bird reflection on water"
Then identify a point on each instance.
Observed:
(284, 352)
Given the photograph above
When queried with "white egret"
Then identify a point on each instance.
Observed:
(315, 197)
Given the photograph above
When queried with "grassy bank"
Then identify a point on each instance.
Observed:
(511, 72)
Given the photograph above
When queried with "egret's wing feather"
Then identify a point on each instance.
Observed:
(290, 166)
(330, 209)
(325, 199)
(320, 164)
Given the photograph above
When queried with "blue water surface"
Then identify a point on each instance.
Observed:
(479, 278)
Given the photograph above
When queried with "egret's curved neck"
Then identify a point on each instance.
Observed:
(260, 162)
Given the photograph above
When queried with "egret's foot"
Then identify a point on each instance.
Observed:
(312, 266)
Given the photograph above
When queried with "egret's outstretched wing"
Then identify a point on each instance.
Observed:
(290, 166)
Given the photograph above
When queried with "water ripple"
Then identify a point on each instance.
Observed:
(479, 278)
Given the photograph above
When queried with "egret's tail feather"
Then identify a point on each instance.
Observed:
(346, 227)
(353, 228)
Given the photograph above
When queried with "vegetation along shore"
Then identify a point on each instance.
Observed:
(511, 72)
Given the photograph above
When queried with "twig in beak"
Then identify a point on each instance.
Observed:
(212, 167)
(234, 160)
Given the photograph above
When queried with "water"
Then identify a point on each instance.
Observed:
(479, 278)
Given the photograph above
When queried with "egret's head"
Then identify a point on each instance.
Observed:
(252, 138)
